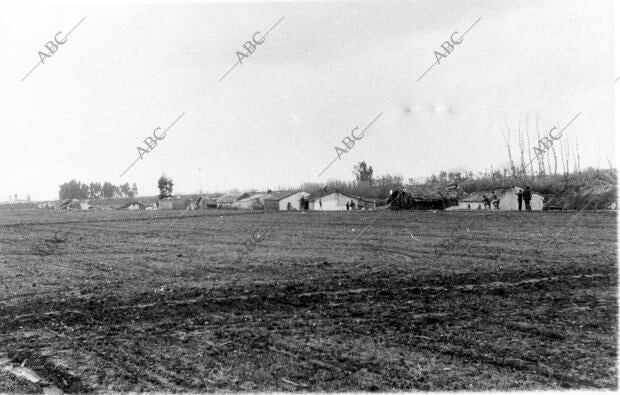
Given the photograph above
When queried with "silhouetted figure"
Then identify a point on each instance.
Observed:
(527, 196)
(347, 206)
(487, 202)
(495, 201)
(520, 198)
(352, 205)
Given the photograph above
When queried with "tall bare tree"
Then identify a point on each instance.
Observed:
(507, 142)
(562, 158)
(567, 155)
(577, 154)
(529, 149)
(540, 158)
(521, 148)
(555, 160)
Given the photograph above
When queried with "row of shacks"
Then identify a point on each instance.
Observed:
(327, 200)
(407, 198)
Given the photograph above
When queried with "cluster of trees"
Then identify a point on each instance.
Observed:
(165, 184)
(95, 190)
(363, 172)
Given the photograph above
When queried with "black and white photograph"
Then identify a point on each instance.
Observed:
(347, 196)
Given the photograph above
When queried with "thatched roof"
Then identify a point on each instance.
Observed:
(423, 192)
(424, 197)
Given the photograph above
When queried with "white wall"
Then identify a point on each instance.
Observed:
(294, 200)
(335, 201)
(463, 206)
(508, 201)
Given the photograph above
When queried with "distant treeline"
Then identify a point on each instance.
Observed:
(95, 190)
(541, 183)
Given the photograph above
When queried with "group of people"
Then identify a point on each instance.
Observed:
(525, 196)
(522, 196)
(493, 200)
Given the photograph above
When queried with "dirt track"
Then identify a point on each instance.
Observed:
(439, 301)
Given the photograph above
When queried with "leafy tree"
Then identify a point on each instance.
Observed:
(125, 190)
(443, 177)
(73, 190)
(95, 190)
(165, 185)
(107, 190)
(362, 172)
(83, 191)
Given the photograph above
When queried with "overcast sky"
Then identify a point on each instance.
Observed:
(276, 119)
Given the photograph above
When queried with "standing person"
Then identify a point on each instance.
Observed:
(321, 204)
(520, 198)
(527, 196)
(347, 205)
(352, 205)
(495, 201)
(486, 201)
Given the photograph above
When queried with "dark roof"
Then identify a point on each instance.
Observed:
(426, 193)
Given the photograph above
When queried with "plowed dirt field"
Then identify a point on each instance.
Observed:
(175, 301)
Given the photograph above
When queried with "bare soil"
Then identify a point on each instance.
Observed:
(371, 301)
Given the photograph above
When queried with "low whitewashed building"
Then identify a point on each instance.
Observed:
(253, 202)
(334, 200)
(291, 200)
(508, 200)
(227, 200)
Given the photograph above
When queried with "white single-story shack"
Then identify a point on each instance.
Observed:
(335, 201)
(253, 202)
(227, 200)
(289, 200)
(507, 200)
